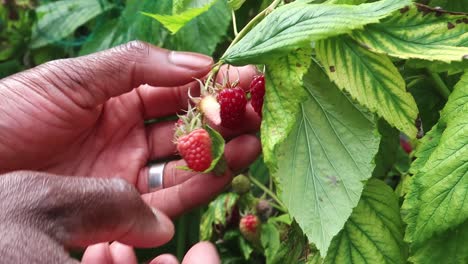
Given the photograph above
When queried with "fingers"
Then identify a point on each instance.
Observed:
(160, 136)
(250, 124)
(122, 254)
(202, 253)
(82, 211)
(163, 101)
(244, 74)
(91, 80)
(99, 253)
(102, 253)
(161, 140)
(165, 259)
(116, 253)
(195, 191)
(239, 154)
(185, 190)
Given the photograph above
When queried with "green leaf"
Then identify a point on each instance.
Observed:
(346, 2)
(176, 21)
(418, 32)
(323, 162)
(270, 239)
(61, 18)
(428, 99)
(259, 170)
(438, 66)
(295, 25)
(436, 199)
(425, 148)
(179, 6)
(235, 4)
(293, 246)
(14, 33)
(451, 5)
(131, 25)
(449, 247)
(370, 78)
(284, 92)
(284, 218)
(388, 149)
(100, 39)
(216, 214)
(203, 33)
(374, 232)
(245, 247)
(217, 148)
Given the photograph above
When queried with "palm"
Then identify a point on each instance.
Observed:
(114, 145)
(106, 141)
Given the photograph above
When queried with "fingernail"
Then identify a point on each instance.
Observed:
(166, 227)
(190, 60)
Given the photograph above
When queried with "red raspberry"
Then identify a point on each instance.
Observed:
(248, 226)
(406, 145)
(233, 102)
(257, 91)
(195, 148)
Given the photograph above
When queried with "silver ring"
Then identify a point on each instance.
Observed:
(155, 176)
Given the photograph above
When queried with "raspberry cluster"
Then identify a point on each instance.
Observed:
(219, 104)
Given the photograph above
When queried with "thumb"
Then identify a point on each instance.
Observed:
(81, 211)
(91, 80)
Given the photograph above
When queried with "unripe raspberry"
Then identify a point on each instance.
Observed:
(241, 184)
(264, 209)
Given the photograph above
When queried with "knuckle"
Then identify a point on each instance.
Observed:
(123, 187)
(135, 48)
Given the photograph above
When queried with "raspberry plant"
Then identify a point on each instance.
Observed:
(343, 81)
(364, 118)
(334, 71)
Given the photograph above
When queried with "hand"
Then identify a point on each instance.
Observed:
(83, 117)
(41, 213)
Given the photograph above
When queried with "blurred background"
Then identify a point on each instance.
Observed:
(33, 31)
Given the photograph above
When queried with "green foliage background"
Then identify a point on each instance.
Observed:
(345, 83)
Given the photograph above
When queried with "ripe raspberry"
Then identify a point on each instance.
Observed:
(406, 145)
(195, 148)
(233, 102)
(257, 91)
(248, 226)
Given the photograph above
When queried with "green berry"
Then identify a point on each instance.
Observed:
(241, 184)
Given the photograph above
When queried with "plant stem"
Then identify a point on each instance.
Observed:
(278, 207)
(254, 21)
(234, 23)
(181, 236)
(440, 85)
(213, 72)
(268, 191)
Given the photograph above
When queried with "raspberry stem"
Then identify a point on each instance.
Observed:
(281, 206)
(254, 22)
